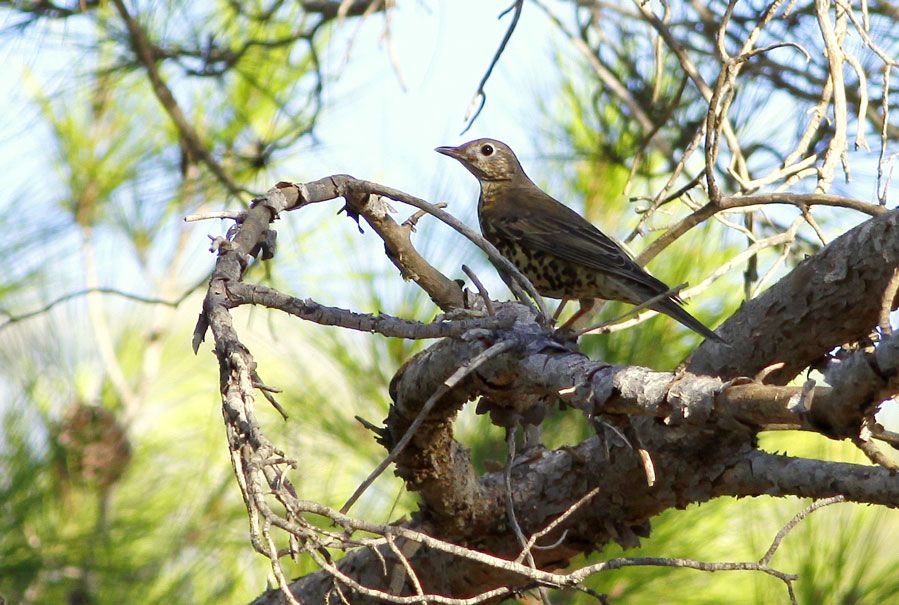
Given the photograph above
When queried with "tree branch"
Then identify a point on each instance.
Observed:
(831, 298)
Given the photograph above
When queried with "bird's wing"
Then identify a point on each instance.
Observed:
(558, 230)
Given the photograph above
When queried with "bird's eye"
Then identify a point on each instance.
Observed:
(487, 150)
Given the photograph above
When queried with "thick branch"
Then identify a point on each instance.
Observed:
(764, 474)
(830, 299)
(546, 484)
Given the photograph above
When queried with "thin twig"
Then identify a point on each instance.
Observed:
(601, 327)
(885, 108)
(886, 436)
(276, 565)
(384, 324)
(733, 202)
(767, 371)
(234, 215)
(412, 221)
(532, 541)
(863, 442)
(457, 376)
(786, 529)
(147, 300)
(860, 142)
(485, 296)
(510, 507)
(480, 97)
(833, 45)
(407, 567)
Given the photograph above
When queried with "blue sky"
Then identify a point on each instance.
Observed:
(442, 52)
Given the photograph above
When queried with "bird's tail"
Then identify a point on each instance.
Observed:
(672, 309)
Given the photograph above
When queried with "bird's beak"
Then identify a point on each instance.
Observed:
(453, 152)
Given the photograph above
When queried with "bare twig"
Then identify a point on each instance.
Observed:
(480, 97)
(407, 568)
(852, 60)
(863, 32)
(886, 436)
(649, 469)
(690, 69)
(732, 202)
(786, 529)
(383, 324)
(863, 442)
(621, 562)
(881, 161)
(224, 214)
(510, 506)
(457, 376)
(833, 44)
(276, 565)
(767, 370)
(600, 328)
(485, 296)
(532, 541)
(147, 300)
(412, 222)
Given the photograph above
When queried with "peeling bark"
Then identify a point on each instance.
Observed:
(693, 432)
(831, 298)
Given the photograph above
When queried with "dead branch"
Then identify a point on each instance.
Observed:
(385, 325)
(12, 318)
(517, 352)
(480, 97)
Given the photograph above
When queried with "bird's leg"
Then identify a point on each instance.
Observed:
(586, 306)
(559, 309)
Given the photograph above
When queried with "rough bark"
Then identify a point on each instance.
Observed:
(699, 431)
(831, 298)
(663, 439)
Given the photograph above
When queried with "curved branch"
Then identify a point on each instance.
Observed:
(800, 200)
(356, 191)
(831, 298)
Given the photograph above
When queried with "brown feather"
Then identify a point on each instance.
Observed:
(561, 252)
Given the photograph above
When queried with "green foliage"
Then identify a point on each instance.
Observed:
(140, 503)
(158, 515)
(153, 532)
(850, 561)
(842, 553)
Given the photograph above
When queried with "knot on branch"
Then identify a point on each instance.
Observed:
(691, 400)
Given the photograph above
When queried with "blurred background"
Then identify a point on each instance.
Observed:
(115, 481)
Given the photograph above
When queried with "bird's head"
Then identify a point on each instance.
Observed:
(487, 159)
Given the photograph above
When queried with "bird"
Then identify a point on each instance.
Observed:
(563, 254)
